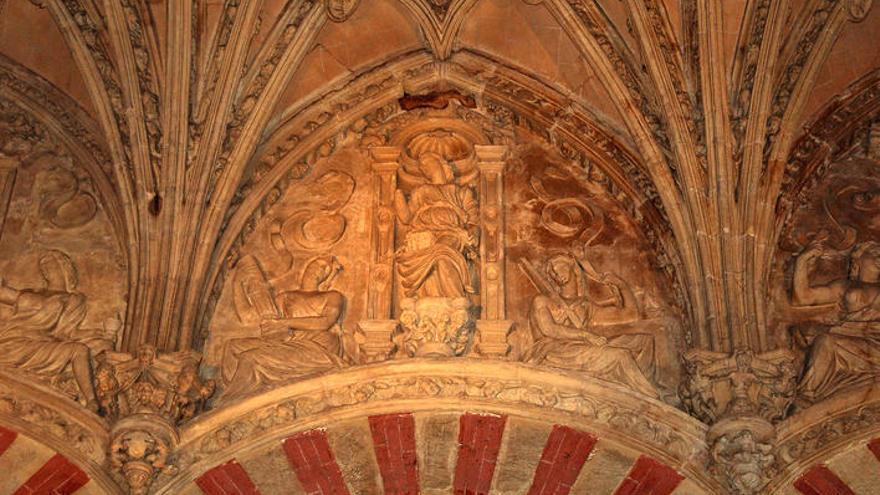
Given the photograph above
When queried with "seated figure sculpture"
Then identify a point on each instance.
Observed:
(560, 326)
(846, 354)
(40, 328)
(301, 332)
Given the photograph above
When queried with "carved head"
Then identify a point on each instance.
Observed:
(146, 356)
(58, 271)
(865, 262)
(319, 273)
(564, 271)
(435, 169)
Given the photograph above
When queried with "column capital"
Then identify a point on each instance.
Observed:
(490, 153)
(385, 154)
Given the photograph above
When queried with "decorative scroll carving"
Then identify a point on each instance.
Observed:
(560, 328)
(40, 328)
(62, 199)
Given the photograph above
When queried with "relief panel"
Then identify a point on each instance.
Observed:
(581, 286)
(431, 239)
(827, 281)
(62, 277)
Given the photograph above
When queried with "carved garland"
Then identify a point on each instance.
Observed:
(638, 91)
(815, 25)
(96, 46)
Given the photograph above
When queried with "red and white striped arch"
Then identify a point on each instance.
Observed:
(469, 453)
(856, 471)
(28, 467)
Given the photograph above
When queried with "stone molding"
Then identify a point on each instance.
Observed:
(451, 384)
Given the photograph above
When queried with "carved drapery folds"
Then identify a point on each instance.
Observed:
(428, 237)
(439, 206)
(438, 217)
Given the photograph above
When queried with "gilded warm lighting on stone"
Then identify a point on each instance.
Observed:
(439, 246)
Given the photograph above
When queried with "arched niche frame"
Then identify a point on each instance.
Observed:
(426, 388)
(840, 134)
(507, 99)
(72, 128)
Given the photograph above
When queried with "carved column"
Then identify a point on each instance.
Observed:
(741, 396)
(492, 327)
(379, 325)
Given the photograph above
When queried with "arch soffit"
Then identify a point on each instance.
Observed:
(315, 128)
(52, 419)
(517, 390)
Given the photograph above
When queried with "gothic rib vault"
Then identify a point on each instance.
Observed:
(440, 246)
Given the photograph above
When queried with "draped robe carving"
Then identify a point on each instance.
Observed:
(560, 326)
(442, 217)
(846, 354)
(301, 332)
(40, 328)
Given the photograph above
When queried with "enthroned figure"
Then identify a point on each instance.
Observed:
(442, 217)
(848, 353)
(560, 326)
(300, 330)
(40, 328)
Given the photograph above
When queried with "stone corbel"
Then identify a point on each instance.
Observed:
(140, 449)
(379, 325)
(146, 397)
(741, 396)
(492, 327)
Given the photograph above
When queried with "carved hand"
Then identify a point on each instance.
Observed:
(274, 329)
(596, 340)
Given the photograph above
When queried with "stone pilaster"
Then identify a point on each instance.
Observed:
(379, 325)
(492, 327)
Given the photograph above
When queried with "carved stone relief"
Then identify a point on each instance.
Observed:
(441, 262)
(62, 284)
(581, 290)
(288, 309)
(828, 282)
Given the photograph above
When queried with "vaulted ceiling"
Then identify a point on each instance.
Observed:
(709, 121)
